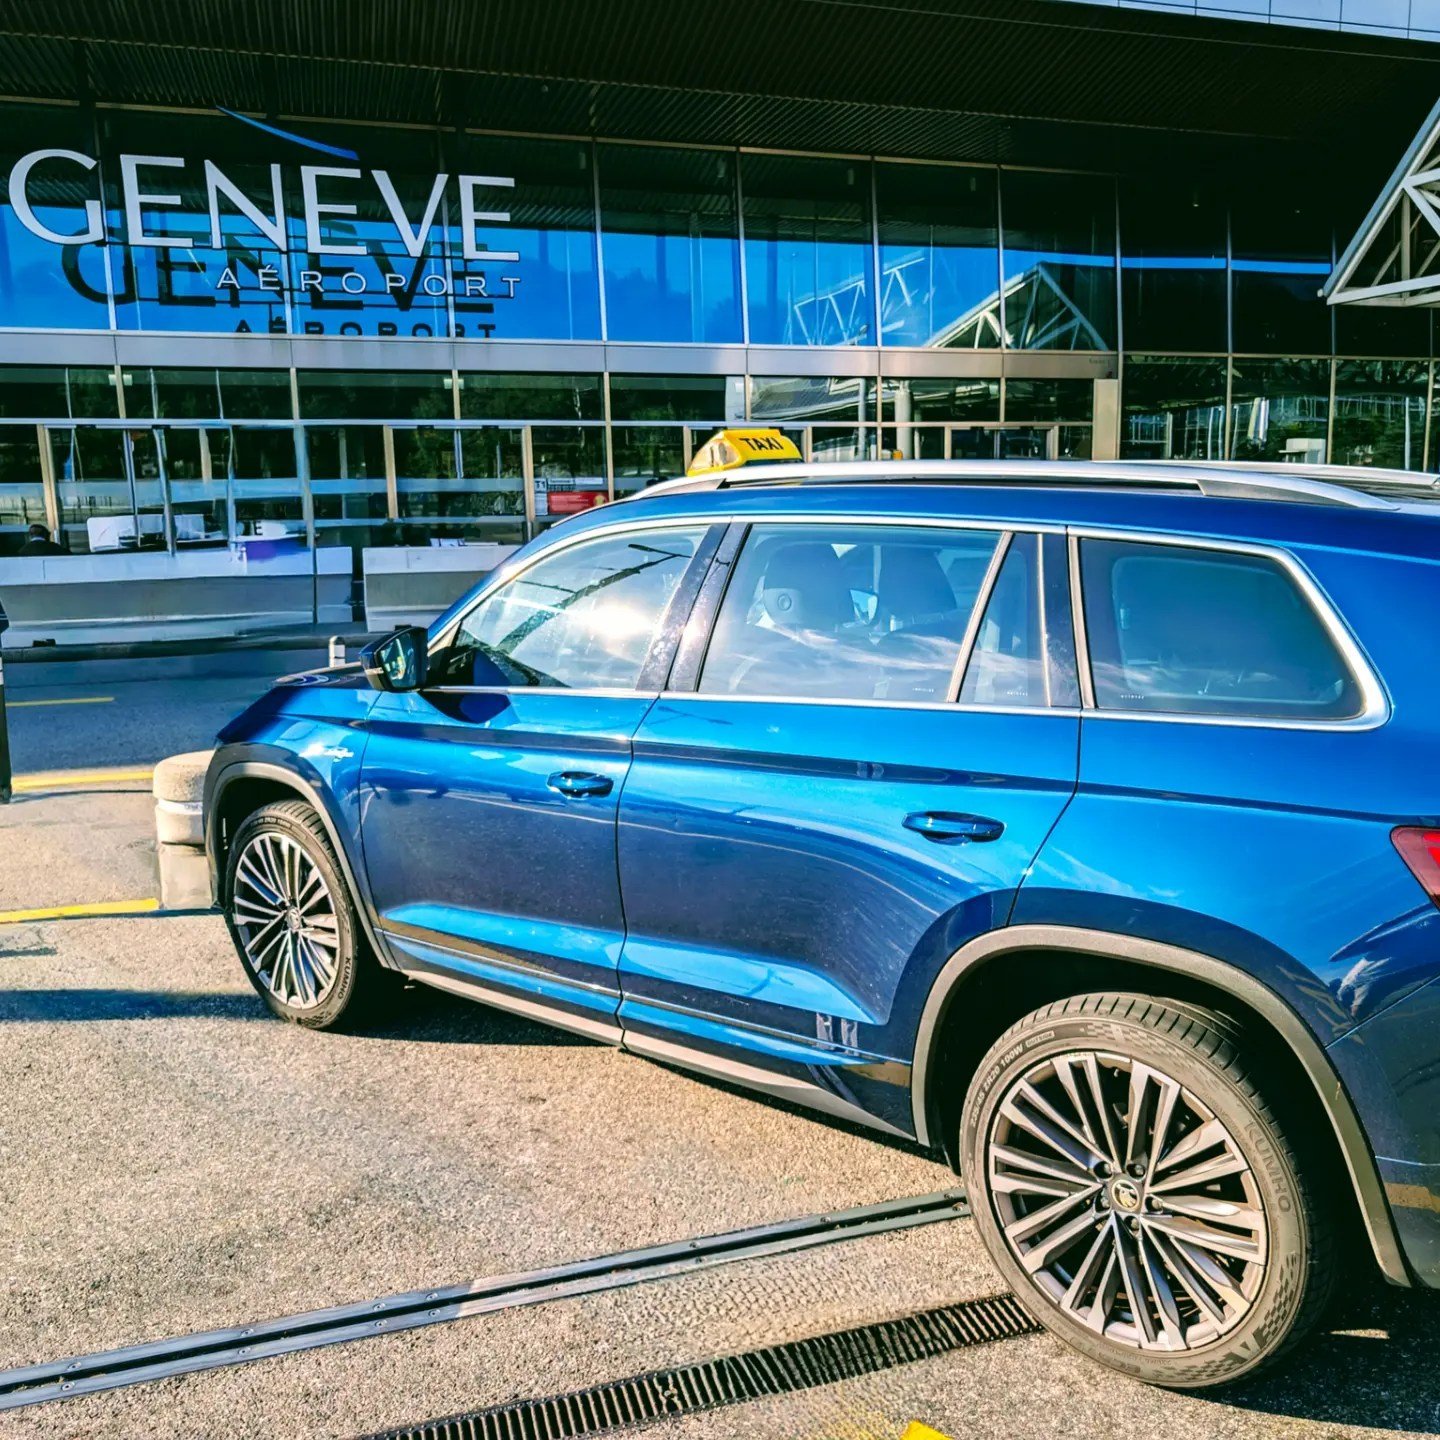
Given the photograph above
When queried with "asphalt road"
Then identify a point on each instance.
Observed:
(173, 1159)
(71, 715)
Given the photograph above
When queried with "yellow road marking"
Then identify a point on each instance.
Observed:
(69, 700)
(916, 1431)
(65, 912)
(62, 779)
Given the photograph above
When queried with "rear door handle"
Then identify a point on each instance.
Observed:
(577, 783)
(946, 828)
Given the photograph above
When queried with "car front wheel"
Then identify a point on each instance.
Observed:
(1136, 1188)
(293, 922)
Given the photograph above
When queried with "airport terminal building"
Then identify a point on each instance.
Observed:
(296, 294)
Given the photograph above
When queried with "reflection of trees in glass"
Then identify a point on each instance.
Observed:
(56, 392)
(648, 452)
(1174, 408)
(530, 397)
(1380, 413)
(1280, 410)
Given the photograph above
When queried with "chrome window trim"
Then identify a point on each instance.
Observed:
(1044, 627)
(1077, 623)
(1375, 710)
(597, 693)
(506, 572)
(939, 705)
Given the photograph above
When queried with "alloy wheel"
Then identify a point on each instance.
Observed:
(285, 916)
(1126, 1200)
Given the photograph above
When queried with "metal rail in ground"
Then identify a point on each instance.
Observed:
(309, 1330)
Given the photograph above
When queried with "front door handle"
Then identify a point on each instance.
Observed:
(946, 828)
(577, 783)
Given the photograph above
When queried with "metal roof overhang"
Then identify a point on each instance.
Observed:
(1018, 81)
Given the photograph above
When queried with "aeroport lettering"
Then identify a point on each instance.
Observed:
(160, 234)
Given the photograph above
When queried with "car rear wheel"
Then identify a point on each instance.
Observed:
(293, 921)
(1137, 1189)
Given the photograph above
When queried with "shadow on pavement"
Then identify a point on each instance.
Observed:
(424, 1014)
(104, 1004)
(420, 1014)
(1373, 1364)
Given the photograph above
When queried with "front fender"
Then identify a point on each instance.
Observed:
(328, 782)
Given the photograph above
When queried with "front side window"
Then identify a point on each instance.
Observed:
(847, 612)
(1207, 632)
(581, 618)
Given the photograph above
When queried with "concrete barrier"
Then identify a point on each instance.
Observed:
(145, 595)
(184, 873)
(412, 584)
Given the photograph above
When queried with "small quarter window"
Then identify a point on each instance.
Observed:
(1192, 631)
(582, 618)
(847, 612)
(1007, 666)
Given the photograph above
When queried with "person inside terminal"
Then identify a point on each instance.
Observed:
(327, 360)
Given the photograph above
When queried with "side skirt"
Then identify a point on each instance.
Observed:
(717, 1067)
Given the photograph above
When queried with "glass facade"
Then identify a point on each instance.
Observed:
(938, 231)
(613, 304)
(671, 231)
(1059, 253)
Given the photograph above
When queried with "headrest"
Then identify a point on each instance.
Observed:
(805, 589)
(912, 584)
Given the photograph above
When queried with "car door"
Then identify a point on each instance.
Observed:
(848, 784)
(488, 800)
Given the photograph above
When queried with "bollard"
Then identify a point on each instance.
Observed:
(183, 871)
(337, 651)
(4, 740)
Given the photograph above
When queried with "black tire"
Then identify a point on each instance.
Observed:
(1281, 1275)
(358, 986)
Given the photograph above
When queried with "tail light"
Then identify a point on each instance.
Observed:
(1420, 849)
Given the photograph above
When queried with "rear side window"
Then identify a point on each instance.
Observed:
(1191, 631)
(847, 612)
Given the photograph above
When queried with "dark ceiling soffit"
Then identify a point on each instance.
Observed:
(1030, 73)
(440, 34)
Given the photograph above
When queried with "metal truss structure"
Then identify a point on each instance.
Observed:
(1394, 257)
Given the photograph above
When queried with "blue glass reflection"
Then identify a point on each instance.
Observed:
(670, 237)
(939, 295)
(939, 256)
(808, 255)
(672, 288)
(48, 286)
(42, 283)
(1059, 247)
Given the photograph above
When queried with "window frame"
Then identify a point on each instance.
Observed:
(1375, 710)
(663, 642)
(1056, 630)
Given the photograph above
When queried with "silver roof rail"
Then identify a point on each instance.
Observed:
(1312, 483)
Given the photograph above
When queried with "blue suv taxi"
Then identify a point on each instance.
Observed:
(1081, 822)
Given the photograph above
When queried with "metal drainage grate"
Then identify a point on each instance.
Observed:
(734, 1379)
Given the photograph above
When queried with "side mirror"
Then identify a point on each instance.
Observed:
(398, 662)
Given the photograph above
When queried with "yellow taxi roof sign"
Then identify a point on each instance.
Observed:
(730, 449)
